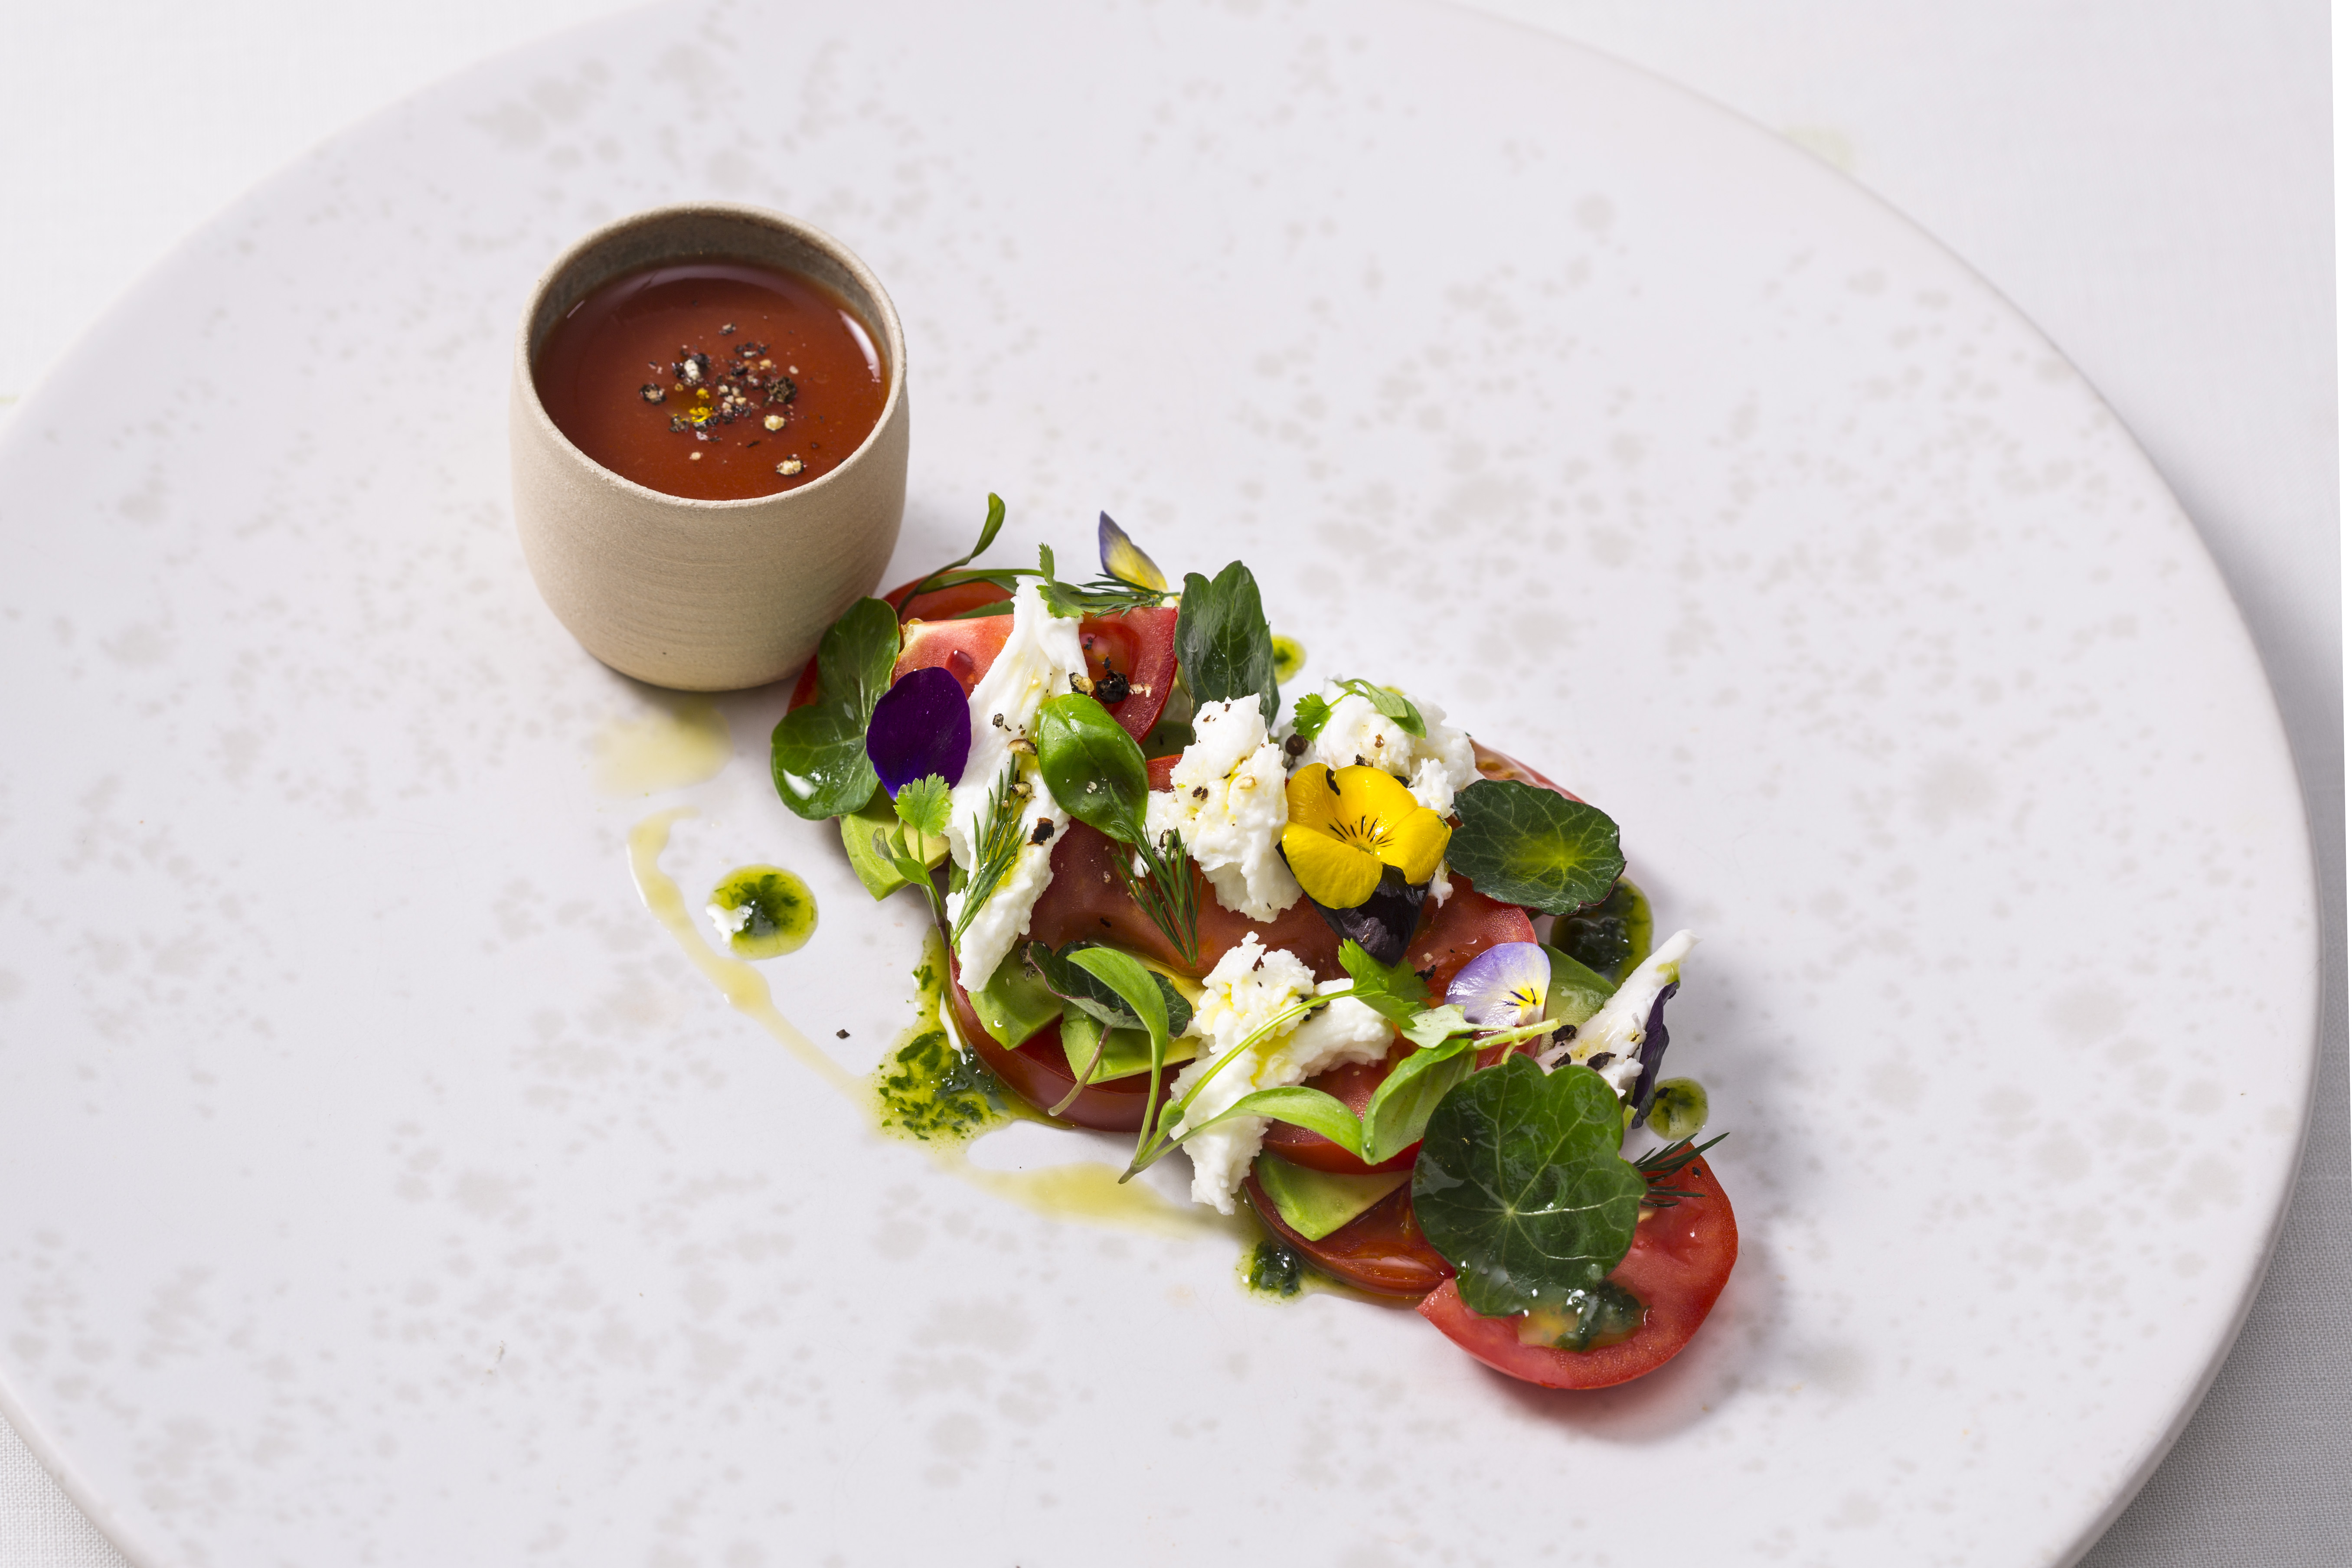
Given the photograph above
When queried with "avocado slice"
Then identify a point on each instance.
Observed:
(1014, 1004)
(1129, 1051)
(857, 830)
(1316, 1203)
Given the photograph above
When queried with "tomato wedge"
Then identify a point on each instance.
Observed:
(1381, 1250)
(1680, 1259)
(1140, 646)
(1039, 1071)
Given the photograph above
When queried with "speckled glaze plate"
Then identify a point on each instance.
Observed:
(381, 1181)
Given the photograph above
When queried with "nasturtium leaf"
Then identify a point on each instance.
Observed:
(1392, 990)
(1223, 645)
(921, 725)
(1400, 1109)
(1530, 846)
(817, 758)
(1519, 1185)
(817, 755)
(1083, 988)
(1093, 767)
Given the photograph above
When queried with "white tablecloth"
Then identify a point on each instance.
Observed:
(2148, 179)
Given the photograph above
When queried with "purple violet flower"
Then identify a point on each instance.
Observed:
(922, 725)
(1503, 987)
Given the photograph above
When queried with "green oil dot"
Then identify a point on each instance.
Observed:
(763, 911)
(1289, 659)
(1679, 1110)
(1272, 1268)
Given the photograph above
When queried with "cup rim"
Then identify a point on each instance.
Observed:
(893, 334)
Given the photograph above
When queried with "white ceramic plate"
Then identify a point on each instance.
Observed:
(379, 1181)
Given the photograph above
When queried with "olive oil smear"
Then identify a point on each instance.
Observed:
(1088, 1190)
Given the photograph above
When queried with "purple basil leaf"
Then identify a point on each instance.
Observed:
(1654, 1051)
(1382, 924)
(921, 725)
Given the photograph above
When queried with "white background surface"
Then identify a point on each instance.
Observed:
(2149, 182)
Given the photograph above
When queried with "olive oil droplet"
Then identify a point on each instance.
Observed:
(763, 911)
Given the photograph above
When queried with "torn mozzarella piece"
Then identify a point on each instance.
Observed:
(1622, 1026)
(1039, 656)
(1249, 988)
(1435, 767)
(1227, 804)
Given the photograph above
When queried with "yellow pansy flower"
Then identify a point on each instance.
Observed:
(1346, 825)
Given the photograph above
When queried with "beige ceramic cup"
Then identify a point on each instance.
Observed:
(703, 595)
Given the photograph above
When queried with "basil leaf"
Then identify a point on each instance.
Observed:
(1392, 990)
(1301, 1107)
(1519, 1184)
(1093, 766)
(1400, 1109)
(1223, 644)
(1137, 986)
(817, 754)
(1530, 846)
(1089, 992)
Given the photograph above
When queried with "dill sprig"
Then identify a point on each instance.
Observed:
(1664, 1165)
(1164, 892)
(1000, 843)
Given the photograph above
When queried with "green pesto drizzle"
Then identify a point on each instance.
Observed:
(1272, 1268)
(782, 912)
(931, 1087)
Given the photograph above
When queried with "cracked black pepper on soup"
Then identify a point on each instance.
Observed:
(713, 380)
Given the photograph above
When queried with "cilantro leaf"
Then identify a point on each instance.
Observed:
(1519, 1184)
(1528, 846)
(1223, 645)
(923, 805)
(1308, 716)
(817, 754)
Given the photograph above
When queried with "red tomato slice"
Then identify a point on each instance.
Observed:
(1381, 1250)
(964, 648)
(1680, 1259)
(1141, 646)
(1039, 1071)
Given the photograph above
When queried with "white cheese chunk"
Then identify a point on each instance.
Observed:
(1249, 988)
(1437, 766)
(1622, 1025)
(1227, 807)
(1040, 654)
